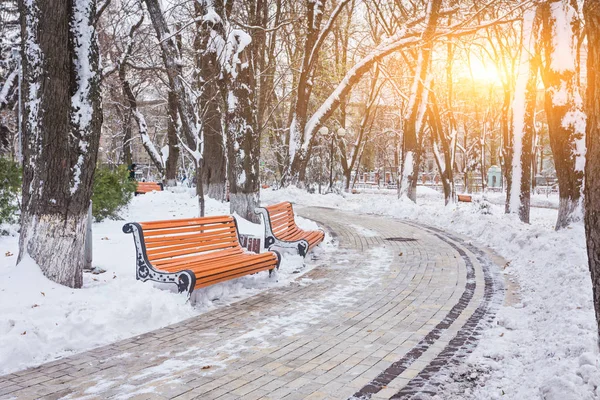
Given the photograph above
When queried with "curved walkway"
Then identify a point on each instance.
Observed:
(383, 316)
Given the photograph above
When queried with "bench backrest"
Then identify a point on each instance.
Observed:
(168, 240)
(282, 217)
(148, 186)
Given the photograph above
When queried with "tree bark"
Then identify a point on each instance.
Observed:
(61, 130)
(173, 142)
(186, 109)
(523, 118)
(300, 144)
(210, 104)
(564, 109)
(416, 108)
(591, 12)
(242, 130)
(445, 160)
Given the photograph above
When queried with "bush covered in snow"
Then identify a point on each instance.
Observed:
(10, 188)
(112, 191)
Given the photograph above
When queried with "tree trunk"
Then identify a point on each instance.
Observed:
(127, 155)
(173, 158)
(564, 108)
(416, 108)
(507, 150)
(523, 120)
(61, 131)
(155, 156)
(186, 109)
(210, 101)
(243, 133)
(591, 11)
(200, 189)
(300, 144)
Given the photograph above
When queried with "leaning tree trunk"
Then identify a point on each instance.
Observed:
(591, 11)
(416, 108)
(61, 131)
(186, 110)
(564, 107)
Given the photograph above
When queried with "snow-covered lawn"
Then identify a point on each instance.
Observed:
(40, 320)
(544, 346)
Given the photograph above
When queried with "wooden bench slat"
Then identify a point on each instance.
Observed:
(194, 234)
(248, 261)
(189, 229)
(175, 251)
(176, 263)
(223, 278)
(194, 252)
(145, 187)
(281, 229)
(159, 241)
(194, 241)
(178, 223)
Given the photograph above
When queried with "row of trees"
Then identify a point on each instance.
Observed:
(238, 78)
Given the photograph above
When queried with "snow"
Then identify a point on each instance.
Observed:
(42, 321)
(211, 16)
(8, 84)
(84, 35)
(407, 171)
(541, 345)
(155, 155)
(563, 50)
(544, 344)
(563, 61)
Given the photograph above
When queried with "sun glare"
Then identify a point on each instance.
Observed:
(484, 72)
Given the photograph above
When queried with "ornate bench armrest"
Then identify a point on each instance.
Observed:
(271, 241)
(144, 271)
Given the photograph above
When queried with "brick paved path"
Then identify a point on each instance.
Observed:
(377, 318)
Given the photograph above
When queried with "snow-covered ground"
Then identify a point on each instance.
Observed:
(40, 320)
(544, 346)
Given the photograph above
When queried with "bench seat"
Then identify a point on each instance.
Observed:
(145, 187)
(281, 230)
(195, 252)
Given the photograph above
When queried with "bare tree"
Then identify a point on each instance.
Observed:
(518, 195)
(210, 101)
(564, 105)
(191, 131)
(591, 11)
(61, 129)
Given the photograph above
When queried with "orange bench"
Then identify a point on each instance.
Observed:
(193, 253)
(281, 229)
(465, 198)
(145, 187)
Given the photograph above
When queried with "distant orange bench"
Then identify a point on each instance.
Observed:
(145, 187)
(465, 198)
(194, 253)
(281, 229)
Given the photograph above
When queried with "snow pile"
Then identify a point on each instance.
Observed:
(544, 346)
(42, 320)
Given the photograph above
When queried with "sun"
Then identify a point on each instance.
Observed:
(484, 72)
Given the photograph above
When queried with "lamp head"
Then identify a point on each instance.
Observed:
(323, 131)
(341, 132)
